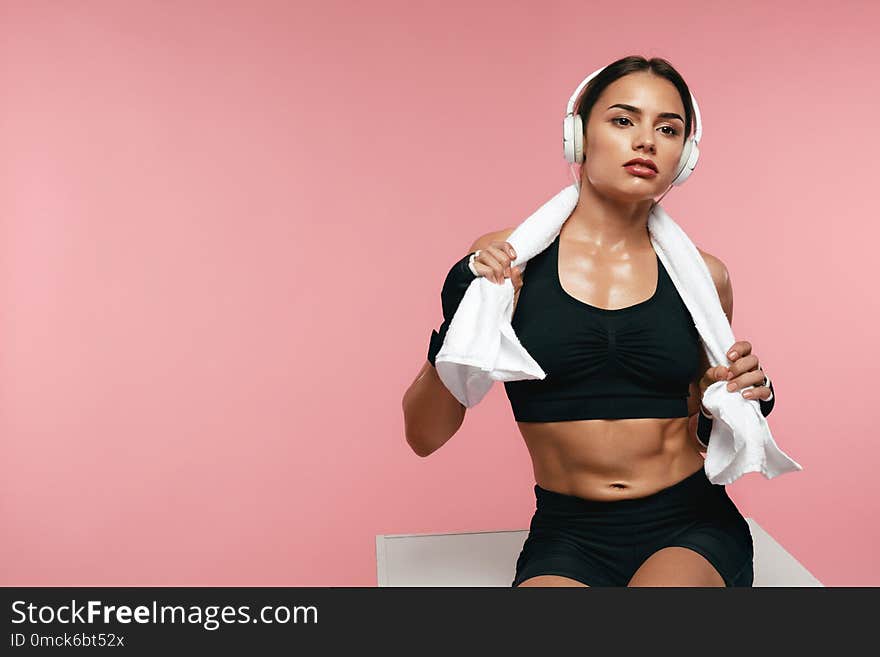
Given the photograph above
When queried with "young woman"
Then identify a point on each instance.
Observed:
(622, 498)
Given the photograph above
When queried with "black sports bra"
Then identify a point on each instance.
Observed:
(630, 362)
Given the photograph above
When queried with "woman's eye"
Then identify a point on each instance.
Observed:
(672, 131)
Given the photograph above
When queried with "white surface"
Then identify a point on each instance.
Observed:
(489, 559)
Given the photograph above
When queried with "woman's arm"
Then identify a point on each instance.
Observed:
(432, 414)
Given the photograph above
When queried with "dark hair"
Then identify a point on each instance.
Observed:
(657, 65)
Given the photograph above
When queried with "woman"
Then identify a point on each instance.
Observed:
(622, 497)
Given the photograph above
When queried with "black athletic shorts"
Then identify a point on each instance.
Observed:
(603, 543)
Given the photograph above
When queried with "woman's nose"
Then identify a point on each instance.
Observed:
(648, 145)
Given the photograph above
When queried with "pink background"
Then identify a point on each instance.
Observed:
(225, 227)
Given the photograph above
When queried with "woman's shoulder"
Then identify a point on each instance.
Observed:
(495, 236)
(721, 278)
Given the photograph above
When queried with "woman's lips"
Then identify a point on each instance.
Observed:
(640, 170)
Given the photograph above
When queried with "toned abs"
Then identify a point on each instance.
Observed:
(611, 459)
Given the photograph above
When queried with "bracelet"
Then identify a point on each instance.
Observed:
(768, 384)
(766, 405)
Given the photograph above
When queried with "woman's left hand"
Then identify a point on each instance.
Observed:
(745, 371)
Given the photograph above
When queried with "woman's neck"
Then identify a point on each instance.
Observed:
(608, 224)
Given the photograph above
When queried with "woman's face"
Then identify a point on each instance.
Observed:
(615, 135)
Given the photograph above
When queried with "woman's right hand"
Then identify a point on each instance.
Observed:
(493, 263)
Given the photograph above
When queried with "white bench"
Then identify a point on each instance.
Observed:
(489, 559)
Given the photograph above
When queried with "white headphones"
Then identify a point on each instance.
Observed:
(573, 136)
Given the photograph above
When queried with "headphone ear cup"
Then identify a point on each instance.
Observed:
(573, 138)
(687, 162)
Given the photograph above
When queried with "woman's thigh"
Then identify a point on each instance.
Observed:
(551, 580)
(677, 566)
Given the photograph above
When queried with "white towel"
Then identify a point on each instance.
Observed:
(481, 347)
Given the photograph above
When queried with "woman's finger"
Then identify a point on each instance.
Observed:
(743, 365)
(516, 275)
(487, 266)
(495, 258)
(739, 349)
(717, 373)
(758, 392)
(500, 253)
(748, 379)
(516, 278)
(482, 269)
